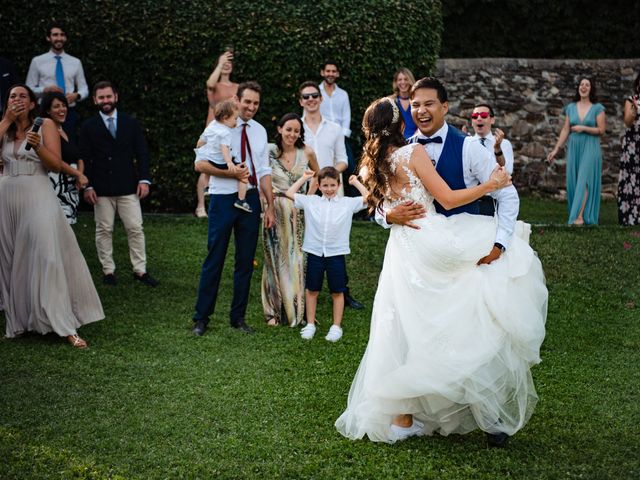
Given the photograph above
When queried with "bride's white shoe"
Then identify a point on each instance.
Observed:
(402, 433)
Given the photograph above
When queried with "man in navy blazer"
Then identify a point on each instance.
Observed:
(110, 142)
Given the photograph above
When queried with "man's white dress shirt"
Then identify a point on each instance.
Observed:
(336, 108)
(477, 165)
(42, 74)
(327, 143)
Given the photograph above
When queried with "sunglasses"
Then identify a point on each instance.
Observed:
(480, 114)
(307, 96)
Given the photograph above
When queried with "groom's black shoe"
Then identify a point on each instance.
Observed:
(497, 440)
(349, 301)
(199, 328)
(241, 325)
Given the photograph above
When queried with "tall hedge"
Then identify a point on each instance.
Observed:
(160, 52)
(540, 29)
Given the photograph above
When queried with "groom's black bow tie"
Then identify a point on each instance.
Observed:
(424, 141)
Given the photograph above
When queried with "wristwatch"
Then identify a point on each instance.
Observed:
(500, 246)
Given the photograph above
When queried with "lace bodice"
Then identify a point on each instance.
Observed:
(412, 188)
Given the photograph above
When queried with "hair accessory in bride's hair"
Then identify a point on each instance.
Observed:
(396, 115)
(396, 111)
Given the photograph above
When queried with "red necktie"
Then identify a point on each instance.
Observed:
(245, 147)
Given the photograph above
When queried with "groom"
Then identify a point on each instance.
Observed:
(460, 160)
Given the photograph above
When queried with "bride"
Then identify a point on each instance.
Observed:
(451, 342)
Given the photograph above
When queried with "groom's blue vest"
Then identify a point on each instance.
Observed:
(450, 169)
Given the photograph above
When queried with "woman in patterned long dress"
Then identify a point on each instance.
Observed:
(629, 177)
(584, 124)
(70, 177)
(45, 283)
(283, 272)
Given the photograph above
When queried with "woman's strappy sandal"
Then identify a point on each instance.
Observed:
(77, 342)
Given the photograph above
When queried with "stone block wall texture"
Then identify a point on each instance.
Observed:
(527, 96)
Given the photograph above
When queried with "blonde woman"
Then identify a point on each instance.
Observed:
(403, 80)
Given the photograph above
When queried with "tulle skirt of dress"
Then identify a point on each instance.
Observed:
(451, 342)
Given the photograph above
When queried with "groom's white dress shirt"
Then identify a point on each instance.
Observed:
(477, 163)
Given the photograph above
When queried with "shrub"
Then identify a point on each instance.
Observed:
(540, 29)
(160, 53)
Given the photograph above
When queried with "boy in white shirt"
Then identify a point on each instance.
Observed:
(215, 146)
(327, 221)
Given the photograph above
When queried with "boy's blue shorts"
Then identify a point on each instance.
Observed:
(336, 269)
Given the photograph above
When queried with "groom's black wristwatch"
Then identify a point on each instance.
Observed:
(500, 246)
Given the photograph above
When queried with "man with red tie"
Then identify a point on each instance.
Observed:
(249, 143)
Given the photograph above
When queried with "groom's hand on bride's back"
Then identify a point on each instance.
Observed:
(406, 213)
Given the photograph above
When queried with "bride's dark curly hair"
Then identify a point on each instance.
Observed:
(382, 136)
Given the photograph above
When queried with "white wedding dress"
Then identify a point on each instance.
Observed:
(451, 342)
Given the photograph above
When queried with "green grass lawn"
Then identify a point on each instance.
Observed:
(149, 400)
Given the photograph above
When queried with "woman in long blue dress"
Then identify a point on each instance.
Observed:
(583, 125)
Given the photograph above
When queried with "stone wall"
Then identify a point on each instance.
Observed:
(527, 96)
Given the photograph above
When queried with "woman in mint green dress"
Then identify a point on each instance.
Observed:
(583, 125)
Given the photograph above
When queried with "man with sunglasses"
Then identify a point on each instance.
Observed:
(460, 160)
(482, 121)
(326, 138)
(322, 135)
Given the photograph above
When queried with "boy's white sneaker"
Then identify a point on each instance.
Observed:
(335, 334)
(402, 433)
(308, 331)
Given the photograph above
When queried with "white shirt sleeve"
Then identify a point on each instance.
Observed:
(346, 116)
(478, 163)
(340, 151)
(225, 138)
(381, 218)
(301, 201)
(262, 167)
(81, 83)
(356, 203)
(507, 151)
(33, 78)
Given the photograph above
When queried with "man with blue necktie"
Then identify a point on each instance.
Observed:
(57, 71)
